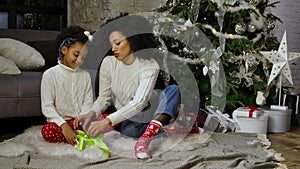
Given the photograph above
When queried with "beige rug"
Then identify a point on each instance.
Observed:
(230, 150)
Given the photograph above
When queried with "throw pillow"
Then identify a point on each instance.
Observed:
(25, 56)
(8, 67)
(48, 50)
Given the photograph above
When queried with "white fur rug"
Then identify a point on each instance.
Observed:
(231, 150)
(31, 141)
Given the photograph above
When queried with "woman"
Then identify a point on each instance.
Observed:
(127, 80)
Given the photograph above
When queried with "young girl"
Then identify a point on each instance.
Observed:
(66, 90)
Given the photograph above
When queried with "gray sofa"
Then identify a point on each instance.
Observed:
(20, 94)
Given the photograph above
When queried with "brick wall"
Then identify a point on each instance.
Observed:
(90, 14)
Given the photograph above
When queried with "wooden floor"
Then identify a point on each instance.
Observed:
(288, 144)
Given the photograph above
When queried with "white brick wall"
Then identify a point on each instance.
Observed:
(288, 11)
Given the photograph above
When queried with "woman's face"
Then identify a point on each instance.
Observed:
(120, 45)
(74, 55)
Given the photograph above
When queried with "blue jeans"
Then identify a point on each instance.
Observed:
(169, 101)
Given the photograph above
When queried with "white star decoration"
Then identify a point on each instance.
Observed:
(280, 60)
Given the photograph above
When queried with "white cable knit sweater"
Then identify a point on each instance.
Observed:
(128, 86)
(65, 93)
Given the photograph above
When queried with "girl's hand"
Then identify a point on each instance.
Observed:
(86, 119)
(69, 134)
(98, 127)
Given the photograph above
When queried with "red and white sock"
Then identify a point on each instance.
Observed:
(141, 146)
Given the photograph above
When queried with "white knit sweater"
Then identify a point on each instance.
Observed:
(128, 86)
(65, 93)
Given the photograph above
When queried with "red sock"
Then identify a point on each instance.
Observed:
(141, 146)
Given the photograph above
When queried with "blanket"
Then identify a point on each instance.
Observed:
(217, 150)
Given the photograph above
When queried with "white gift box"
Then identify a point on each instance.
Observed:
(252, 125)
(249, 111)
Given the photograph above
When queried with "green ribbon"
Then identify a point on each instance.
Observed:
(84, 140)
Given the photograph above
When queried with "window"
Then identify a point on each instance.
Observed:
(33, 14)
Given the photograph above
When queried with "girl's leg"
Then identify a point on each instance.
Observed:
(51, 132)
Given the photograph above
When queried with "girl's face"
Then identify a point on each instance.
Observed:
(74, 56)
(120, 45)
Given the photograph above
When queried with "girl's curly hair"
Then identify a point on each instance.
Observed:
(75, 33)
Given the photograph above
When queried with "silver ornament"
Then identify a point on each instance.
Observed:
(175, 31)
(251, 28)
(240, 28)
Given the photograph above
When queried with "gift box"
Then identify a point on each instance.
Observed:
(249, 111)
(257, 125)
(216, 121)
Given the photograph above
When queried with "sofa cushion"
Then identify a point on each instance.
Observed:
(25, 56)
(8, 66)
(48, 51)
(27, 84)
(20, 94)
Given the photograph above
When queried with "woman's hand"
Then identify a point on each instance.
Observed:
(98, 127)
(76, 124)
(85, 120)
(69, 134)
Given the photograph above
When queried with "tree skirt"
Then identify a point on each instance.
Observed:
(229, 150)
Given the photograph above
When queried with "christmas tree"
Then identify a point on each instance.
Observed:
(238, 30)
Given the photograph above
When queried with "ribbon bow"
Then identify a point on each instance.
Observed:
(84, 140)
(252, 109)
(88, 34)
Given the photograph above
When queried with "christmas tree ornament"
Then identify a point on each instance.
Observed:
(220, 50)
(260, 98)
(270, 24)
(175, 31)
(251, 28)
(219, 2)
(252, 2)
(242, 74)
(205, 70)
(188, 23)
(187, 51)
(250, 63)
(194, 10)
(240, 28)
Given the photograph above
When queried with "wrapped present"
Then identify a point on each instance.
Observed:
(249, 111)
(216, 121)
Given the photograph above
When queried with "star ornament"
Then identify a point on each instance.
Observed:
(280, 60)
